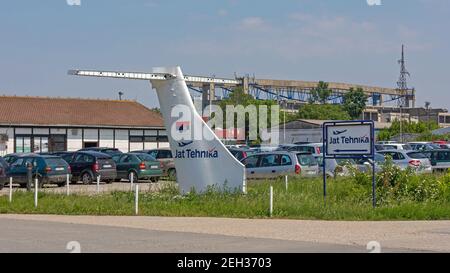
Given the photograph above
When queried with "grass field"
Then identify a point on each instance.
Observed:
(347, 200)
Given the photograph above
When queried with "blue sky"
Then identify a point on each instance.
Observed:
(330, 40)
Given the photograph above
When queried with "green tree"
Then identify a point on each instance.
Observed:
(422, 128)
(239, 97)
(320, 94)
(355, 102)
(322, 112)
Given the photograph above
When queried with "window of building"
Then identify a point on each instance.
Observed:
(40, 144)
(136, 139)
(57, 143)
(162, 136)
(23, 144)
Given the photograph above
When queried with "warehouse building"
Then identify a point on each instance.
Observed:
(38, 124)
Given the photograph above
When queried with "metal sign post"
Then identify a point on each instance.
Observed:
(349, 140)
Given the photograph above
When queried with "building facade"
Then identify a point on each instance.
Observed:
(35, 124)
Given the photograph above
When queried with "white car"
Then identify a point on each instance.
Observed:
(423, 146)
(278, 164)
(313, 148)
(398, 146)
(410, 159)
(335, 167)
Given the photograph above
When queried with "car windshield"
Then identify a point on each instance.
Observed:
(112, 151)
(145, 157)
(55, 161)
(407, 147)
(306, 159)
(417, 155)
(435, 146)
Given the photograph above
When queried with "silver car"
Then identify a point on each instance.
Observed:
(313, 148)
(410, 159)
(365, 164)
(335, 167)
(423, 146)
(398, 146)
(277, 164)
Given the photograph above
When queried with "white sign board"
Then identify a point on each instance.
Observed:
(348, 139)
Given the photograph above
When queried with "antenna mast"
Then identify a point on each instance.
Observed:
(403, 89)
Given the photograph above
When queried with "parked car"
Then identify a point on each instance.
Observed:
(309, 167)
(423, 146)
(87, 166)
(335, 167)
(142, 166)
(410, 159)
(67, 156)
(10, 158)
(442, 144)
(47, 169)
(241, 153)
(163, 155)
(264, 149)
(440, 159)
(398, 146)
(313, 148)
(277, 164)
(4, 169)
(365, 164)
(380, 147)
(105, 150)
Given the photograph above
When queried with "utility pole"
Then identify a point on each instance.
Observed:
(403, 89)
(428, 108)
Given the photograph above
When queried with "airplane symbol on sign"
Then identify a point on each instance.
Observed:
(336, 133)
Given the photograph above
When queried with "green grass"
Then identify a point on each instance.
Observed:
(346, 200)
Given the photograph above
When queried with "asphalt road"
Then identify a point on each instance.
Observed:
(40, 236)
(45, 233)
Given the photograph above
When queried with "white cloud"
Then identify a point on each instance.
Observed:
(252, 23)
(222, 12)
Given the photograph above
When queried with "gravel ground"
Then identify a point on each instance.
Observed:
(92, 189)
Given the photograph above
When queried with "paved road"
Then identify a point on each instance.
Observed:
(35, 233)
(40, 236)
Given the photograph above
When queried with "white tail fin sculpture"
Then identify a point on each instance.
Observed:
(199, 162)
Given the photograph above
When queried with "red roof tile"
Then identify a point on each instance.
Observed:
(70, 111)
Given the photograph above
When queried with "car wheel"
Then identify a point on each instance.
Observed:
(172, 173)
(61, 184)
(154, 179)
(109, 181)
(86, 178)
(135, 177)
(1, 186)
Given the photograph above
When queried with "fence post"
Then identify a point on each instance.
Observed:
(10, 189)
(136, 200)
(98, 184)
(68, 185)
(286, 182)
(131, 180)
(36, 189)
(271, 201)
